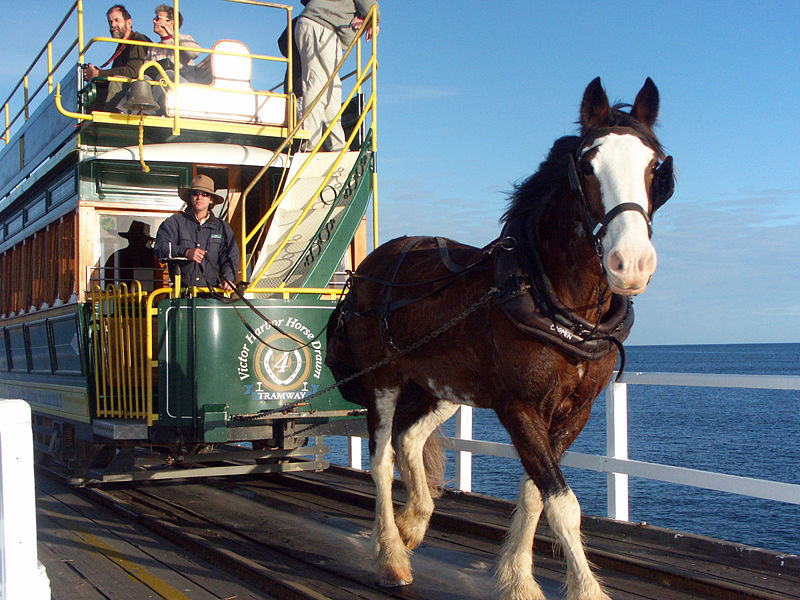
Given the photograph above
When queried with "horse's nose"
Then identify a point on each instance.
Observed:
(631, 270)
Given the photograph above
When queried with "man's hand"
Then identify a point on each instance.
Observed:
(90, 72)
(356, 24)
(226, 285)
(195, 254)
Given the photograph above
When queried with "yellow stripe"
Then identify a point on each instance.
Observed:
(159, 586)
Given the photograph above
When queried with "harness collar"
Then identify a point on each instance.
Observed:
(527, 298)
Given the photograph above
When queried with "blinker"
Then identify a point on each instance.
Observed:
(663, 185)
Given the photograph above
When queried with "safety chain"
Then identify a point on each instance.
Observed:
(421, 342)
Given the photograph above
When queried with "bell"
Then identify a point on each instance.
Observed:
(141, 98)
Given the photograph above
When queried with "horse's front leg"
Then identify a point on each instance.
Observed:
(514, 576)
(560, 505)
(564, 515)
(410, 443)
(393, 563)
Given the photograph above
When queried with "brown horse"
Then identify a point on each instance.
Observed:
(529, 326)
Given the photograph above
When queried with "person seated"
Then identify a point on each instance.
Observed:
(125, 62)
(164, 27)
(196, 243)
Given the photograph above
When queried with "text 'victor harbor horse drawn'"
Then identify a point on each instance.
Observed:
(529, 326)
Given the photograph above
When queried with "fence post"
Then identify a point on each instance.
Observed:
(617, 447)
(23, 576)
(354, 452)
(464, 459)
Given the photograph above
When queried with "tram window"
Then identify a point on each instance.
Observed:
(126, 251)
(129, 181)
(14, 224)
(64, 189)
(36, 209)
(16, 347)
(65, 344)
(3, 350)
(39, 348)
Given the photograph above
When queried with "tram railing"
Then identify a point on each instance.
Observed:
(119, 340)
(615, 463)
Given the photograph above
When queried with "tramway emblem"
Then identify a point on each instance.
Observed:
(284, 369)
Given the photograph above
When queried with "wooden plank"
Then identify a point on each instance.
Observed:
(124, 560)
(65, 582)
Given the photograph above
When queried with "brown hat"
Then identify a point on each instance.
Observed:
(201, 183)
(137, 230)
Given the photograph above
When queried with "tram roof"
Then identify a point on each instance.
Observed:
(196, 153)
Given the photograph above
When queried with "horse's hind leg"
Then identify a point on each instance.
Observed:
(394, 566)
(514, 576)
(410, 441)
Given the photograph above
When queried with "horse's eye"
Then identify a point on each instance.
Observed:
(587, 168)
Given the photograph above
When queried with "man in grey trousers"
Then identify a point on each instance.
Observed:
(323, 29)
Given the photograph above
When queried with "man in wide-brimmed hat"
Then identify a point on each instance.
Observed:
(203, 245)
(136, 260)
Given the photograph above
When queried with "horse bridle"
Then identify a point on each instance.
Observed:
(661, 189)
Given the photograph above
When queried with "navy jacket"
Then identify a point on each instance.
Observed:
(181, 231)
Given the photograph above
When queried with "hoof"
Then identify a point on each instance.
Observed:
(395, 579)
(392, 584)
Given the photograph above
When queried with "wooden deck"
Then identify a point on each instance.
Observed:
(90, 552)
(307, 536)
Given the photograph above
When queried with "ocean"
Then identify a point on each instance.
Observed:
(752, 433)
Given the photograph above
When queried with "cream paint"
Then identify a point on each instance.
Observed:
(619, 165)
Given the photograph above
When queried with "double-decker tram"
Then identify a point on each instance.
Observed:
(130, 374)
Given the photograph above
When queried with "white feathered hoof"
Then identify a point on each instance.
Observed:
(395, 578)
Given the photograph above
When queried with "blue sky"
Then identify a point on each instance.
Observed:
(472, 95)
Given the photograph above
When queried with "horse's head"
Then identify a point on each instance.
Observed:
(621, 176)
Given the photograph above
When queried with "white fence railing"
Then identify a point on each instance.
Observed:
(616, 463)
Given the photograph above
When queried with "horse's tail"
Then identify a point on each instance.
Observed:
(435, 461)
(339, 358)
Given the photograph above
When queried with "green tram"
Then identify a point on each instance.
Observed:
(129, 375)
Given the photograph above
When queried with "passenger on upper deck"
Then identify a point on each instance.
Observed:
(125, 61)
(324, 27)
(164, 27)
(195, 234)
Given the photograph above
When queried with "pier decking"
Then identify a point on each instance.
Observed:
(307, 536)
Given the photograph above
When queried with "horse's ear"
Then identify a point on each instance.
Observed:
(594, 107)
(645, 107)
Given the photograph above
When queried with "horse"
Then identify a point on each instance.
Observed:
(530, 326)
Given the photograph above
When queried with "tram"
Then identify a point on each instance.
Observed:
(129, 374)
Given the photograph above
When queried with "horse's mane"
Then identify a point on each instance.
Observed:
(532, 193)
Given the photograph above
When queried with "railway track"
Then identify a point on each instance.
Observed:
(306, 537)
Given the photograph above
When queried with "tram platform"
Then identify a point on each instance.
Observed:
(90, 553)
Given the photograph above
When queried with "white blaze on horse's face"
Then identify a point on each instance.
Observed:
(620, 164)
